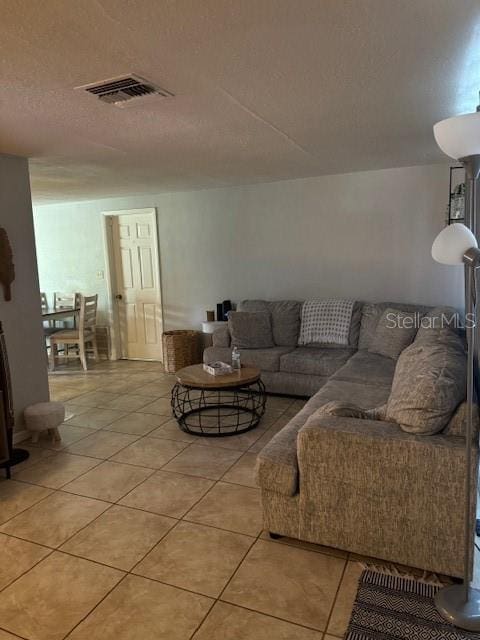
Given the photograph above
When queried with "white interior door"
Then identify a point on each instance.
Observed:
(137, 292)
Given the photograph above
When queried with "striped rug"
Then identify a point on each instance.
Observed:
(395, 608)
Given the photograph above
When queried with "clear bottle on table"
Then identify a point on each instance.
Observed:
(236, 365)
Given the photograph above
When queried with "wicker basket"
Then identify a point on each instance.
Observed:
(180, 349)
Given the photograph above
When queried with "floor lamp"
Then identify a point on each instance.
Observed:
(459, 138)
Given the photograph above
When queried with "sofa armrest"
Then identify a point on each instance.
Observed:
(221, 336)
(376, 459)
(368, 487)
(366, 451)
(277, 466)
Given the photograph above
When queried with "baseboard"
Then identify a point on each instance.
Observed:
(19, 436)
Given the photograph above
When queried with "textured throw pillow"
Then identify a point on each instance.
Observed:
(395, 331)
(353, 333)
(326, 321)
(428, 385)
(250, 330)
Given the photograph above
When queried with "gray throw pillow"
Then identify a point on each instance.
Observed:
(355, 325)
(371, 314)
(428, 385)
(395, 331)
(285, 322)
(440, 323)
(285, 318)
(250, 330)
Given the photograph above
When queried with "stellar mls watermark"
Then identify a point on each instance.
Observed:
(417, 320)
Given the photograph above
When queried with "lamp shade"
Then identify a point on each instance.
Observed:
(451, 244)
(459, 137)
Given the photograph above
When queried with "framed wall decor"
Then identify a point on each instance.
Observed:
(456, 200)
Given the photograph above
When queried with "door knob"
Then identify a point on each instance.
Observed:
(119, 296)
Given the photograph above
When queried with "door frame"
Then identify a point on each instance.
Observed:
(110, 273)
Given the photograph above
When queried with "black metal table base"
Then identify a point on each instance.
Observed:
(218, 412)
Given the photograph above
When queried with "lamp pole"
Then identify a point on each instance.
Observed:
(472, 212)
(459, 138)
(472, 195)
(460, 604)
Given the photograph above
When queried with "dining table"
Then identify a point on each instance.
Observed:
(60, 314)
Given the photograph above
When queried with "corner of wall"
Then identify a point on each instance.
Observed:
(21, 317)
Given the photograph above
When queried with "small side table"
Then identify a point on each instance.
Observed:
(215, 406)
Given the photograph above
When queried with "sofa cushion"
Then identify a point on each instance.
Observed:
(349, 410)
(371, 313)
(217, 354)
(277, 464)
(438, 324)
(263, 359)
(365, 396)
(326, 321)
(293, 384)
(250, 330)
(221, 336)
(317, 361)
(368, 367)
(428, 385)
(285, 316)
(394, 332)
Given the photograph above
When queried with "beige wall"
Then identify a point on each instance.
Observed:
(365, 235)
(21, 317)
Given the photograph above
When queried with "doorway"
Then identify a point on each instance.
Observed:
(133, 268)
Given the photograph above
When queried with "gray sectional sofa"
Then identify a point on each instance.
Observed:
(287, 368)
(356, 478)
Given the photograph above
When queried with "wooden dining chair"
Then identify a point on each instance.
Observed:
(81, 337)
(48, 325)
(44, 301)
(64, 302)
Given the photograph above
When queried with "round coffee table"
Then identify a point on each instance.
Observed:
(215, 406)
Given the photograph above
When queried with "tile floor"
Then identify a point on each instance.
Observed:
(131, 529)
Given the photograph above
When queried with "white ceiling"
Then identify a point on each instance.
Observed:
(264, 89)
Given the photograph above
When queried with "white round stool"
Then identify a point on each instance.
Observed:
(44, 416)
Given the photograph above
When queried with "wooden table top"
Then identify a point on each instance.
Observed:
(195, 376)
(59, 314)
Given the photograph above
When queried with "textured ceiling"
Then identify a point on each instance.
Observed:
(264, 89)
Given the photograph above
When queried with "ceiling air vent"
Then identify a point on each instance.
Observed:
(125, 91)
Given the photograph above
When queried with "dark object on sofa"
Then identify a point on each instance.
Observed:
(226, 307)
